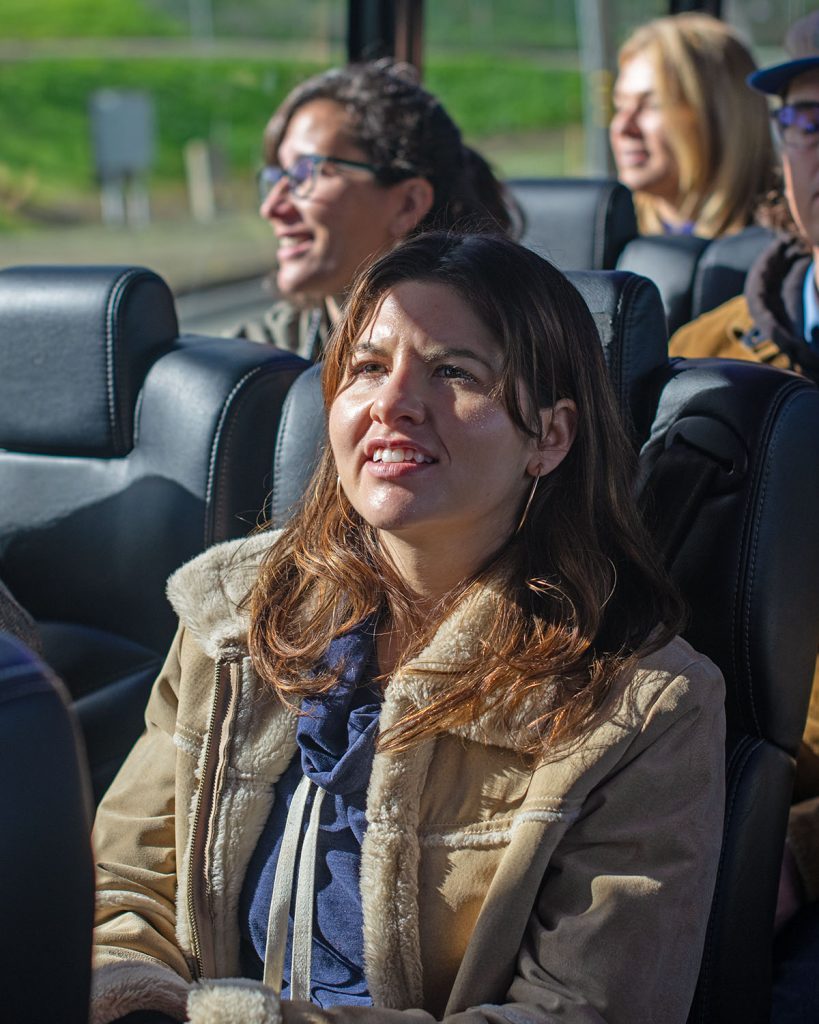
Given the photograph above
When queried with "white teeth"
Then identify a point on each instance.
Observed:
(399, 455)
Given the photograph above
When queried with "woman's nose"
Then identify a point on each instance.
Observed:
(625, 122)
(277, 203)
(399, 398)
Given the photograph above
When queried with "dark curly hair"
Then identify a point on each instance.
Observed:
(406, 132)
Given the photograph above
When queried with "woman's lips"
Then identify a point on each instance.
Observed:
(292, 246)
(633, 158)
(396, 470)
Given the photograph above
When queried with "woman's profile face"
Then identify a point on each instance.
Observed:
(325, 237)
(639, 133)
(423, 447)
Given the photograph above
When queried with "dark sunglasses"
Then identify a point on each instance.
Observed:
(797, 124)
(302, 174)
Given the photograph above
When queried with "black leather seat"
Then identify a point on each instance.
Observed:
(577, 223)
(730, 483)
(721, 272)
(670, 261)
(126, 450)
(629, 318)
(46, 866)
(694, 274)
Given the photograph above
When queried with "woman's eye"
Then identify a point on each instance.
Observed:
(450, 372)
(365, 369)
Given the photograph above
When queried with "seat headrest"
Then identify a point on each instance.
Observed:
(75, 345)
(724, 265)
(729, 469)
(299, 444)
(628, 313)
(671, 263)
(576, 223)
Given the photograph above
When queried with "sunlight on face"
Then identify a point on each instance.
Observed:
(423, 448)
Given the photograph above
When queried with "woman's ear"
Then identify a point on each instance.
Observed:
(559, 426)
(416, 198)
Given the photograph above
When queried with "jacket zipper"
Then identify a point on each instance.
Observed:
(196, 943)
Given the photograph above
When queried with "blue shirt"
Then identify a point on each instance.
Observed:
(810, 306)
(336, 739)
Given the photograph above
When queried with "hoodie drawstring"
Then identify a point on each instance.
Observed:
(305, 896)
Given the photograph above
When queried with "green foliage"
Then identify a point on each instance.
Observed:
(226, 101)
(478, 24)
(44, 123)
(488, 96)
(71, 19)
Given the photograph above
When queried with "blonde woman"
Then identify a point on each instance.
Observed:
(689, 138)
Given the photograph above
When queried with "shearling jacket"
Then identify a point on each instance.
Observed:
(576, 889)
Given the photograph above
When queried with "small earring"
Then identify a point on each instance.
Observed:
(528, 503)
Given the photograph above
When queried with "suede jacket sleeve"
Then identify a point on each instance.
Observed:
(135, 834)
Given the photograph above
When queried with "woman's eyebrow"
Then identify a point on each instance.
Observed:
(433, 355)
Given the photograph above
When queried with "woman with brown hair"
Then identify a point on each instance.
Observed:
(434, 751)
(689, 138)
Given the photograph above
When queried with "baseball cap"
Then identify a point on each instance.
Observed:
(802, 43)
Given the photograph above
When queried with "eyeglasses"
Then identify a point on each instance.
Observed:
(303, 174)
(798, 124)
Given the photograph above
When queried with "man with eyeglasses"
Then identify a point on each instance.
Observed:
(776, 320)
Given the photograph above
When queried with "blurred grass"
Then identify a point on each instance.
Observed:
(66, 19)
(46, 159)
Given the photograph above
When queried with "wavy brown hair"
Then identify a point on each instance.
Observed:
(584, 594)
(406, 131)
(718, 127)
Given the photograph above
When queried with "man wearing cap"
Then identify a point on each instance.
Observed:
(776, 320)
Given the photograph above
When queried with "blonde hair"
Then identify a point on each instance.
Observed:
(717, 126)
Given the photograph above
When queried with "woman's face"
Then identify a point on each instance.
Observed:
(423, 448)
(347, 218)
(639, 133)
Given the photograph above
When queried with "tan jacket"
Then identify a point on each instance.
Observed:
(493, 891)
(720, 333)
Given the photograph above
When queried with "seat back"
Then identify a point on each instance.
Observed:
(730, 485)
(46, 866)
(629, 318)
(577, 223)
(670, 261)
(721, 272)
(124, 451)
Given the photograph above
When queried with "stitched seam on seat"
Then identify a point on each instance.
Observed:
(112, 308)
(216, 444)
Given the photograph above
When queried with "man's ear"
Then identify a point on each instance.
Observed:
(416, 196)
(559, 426)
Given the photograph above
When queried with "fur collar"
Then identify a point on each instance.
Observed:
(207, 595)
